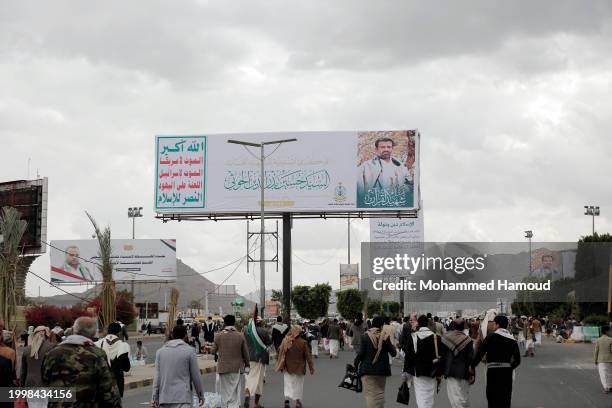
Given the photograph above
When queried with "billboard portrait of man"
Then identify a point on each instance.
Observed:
(547, 269)
(384, 179)
(73, 265)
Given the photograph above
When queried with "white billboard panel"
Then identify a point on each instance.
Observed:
(397, 229)
(349, 276)
(76, 261)
(321, 171)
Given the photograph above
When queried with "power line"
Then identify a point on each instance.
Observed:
(57, 287)
(310, 263)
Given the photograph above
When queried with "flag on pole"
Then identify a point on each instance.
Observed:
(252, 334)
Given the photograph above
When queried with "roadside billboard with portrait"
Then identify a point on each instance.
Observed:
(319, 172)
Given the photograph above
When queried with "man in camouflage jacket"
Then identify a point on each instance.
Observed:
(78, 364)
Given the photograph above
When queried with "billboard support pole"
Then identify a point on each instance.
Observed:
(287, 267)
(262, 243)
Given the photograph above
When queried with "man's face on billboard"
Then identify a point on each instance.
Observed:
(547, 262)
(72, 257)
(384, 150)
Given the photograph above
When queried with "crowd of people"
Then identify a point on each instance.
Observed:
(431, 351)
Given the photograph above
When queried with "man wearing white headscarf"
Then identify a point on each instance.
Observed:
(117, 354)
(423, 365)
(31, 362)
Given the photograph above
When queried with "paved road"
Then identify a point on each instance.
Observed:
(560, 376)
(152, 343)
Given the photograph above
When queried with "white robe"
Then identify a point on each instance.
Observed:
(424, 391)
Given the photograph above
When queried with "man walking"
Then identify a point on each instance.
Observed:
(333, 334)
(232, 358)
(372, 363)
(279, 331)
(78, 363)
(358, 328)
(176, 371)
(423, 362)
(117, 353)
(209, 330)
(503, 356)
(258, 341)
(459, 355)
(603, 358)
(195, 337)
(314, 335)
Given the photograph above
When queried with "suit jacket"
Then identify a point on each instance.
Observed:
(603, 350)
(176, 368)
(230, 345)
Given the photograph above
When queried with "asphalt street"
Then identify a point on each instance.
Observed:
(152, 343)
(559, 376)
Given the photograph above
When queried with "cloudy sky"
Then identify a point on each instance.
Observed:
(513, 101)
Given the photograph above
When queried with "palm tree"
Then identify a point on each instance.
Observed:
(108, 285)
(12, 228)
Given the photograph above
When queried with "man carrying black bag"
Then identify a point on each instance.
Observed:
(372, 363)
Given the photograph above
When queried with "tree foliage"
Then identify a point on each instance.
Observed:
(123, 310)
(50, 315)
(374, 308)
(311, 302)
(391, 309)
(108, 284)
(350, 303)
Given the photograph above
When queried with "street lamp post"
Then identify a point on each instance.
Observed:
(133, 213)
(529, 235)
(262, 252)
(592, 211)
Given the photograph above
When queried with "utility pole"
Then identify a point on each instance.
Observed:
(349, 238)
(529, 235)
(133, 213)
(262, 252)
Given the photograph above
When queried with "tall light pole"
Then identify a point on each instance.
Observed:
(593, 211)
(262, 252)
(529, 235)
(133, 213)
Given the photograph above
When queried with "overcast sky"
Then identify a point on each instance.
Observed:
(513, 101)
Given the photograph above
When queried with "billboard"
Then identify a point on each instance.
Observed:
(76, 261)
(321, 171)
(349, 276)
(397, 229)
(29, 197)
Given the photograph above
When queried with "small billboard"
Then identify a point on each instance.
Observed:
(349, 276)
(77, 261)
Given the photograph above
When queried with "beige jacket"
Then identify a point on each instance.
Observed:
(603, 350)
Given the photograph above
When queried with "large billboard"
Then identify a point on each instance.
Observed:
(29, 197)
(320, 172)
(77, 261)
